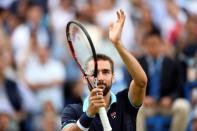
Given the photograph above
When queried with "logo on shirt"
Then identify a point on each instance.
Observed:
(113, 115)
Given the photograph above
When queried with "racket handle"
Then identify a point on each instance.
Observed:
(104, 119)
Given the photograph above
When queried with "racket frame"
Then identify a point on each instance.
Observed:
(91, 86)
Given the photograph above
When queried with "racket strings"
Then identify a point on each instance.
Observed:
(82, 48)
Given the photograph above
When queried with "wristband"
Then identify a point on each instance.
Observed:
(84, 122)
(81, 127)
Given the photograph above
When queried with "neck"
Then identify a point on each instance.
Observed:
(155, 56)
(107, 99)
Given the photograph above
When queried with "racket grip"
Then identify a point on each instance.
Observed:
(104, 119)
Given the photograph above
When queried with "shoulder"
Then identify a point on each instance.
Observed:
(122, 96)
(168, 60)
(123, 100)
(122, 93)
(143, 61)
(73, 111)
(72, 108)
(170, 63)
(142, 58)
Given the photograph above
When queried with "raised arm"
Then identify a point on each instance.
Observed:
(137, 87)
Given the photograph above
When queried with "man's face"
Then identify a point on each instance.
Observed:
(104, 76)
(153, 46)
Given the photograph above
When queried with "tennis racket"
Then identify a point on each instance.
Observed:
(82, 48)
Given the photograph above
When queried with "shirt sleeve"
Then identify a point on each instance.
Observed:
(127, 111)
(123, 99)
(69, 115)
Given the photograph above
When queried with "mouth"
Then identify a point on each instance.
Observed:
(101, 86)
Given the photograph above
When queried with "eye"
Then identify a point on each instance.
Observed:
(106, 71)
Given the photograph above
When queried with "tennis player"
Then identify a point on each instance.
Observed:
(121, 108)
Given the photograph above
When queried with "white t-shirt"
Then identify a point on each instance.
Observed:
(36, 73)
(20, 41)
(59, 18)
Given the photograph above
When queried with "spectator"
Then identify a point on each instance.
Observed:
(186, 49)
(45, 76)
(143, 26)
(187, 43)
(163, 87)
(59, 17)
(20, 38)
(10, 98)
(73, 92)
(48, 120)
(6, 122)
(194, 120)
(172, 25)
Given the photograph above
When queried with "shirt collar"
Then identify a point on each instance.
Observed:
(86, 102)
(159, 58)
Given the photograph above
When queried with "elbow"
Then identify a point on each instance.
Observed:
(143, 82)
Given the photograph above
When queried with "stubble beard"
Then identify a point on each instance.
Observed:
(106, 88)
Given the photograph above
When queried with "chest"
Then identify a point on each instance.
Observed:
(119, 121)
(113, 119)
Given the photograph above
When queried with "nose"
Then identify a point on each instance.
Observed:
(100, 76)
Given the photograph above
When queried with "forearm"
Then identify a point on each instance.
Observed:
(132, 65)
(57, 83)
(71, 127)
(82, 124)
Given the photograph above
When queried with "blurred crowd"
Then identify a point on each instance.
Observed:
(38, 76)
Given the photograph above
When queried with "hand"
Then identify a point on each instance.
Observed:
(96, 101)
(115, 29)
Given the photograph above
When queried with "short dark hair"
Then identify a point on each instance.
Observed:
(151, 33)
(103, 57)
